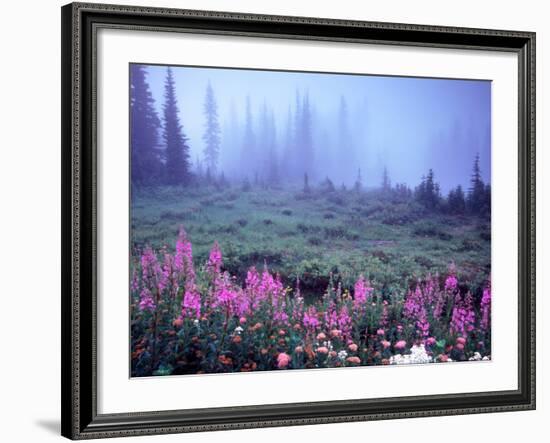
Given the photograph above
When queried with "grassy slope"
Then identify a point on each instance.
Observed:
(313, 235)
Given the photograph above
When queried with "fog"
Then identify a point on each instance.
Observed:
(332, 125)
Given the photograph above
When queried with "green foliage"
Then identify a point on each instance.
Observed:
(313, 238)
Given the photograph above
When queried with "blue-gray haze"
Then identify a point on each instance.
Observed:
(406, 125)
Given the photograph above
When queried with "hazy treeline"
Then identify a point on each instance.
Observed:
(258, 147)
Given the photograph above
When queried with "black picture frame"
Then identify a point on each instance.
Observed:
(80, 419)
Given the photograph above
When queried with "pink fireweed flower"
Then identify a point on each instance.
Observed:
(226, 295)
(322, 350)
(415, 309)
(283, 360)
(150, 267)
(380, 332)
(321, 336)
(353, 347)
(215, 260)
(331, 316)
(463, 316)
(362, 292)
(414, 303)
(183, 260)
(166, 273)
(146, 302)
(451, 283)
(252, 289)
(430, 341)
(486, 308)
(385, 344)
(353, 360)
(242, 305)
(422, 325)
(191, 303)
(461, 340)
(310, 319)
(344, 322)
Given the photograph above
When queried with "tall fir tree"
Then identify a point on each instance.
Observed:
(295, 170)
(288, 150)
(456, 201)
(358, 185)
(176, 149)
(476, 193)
(249, 142)
(386, 182)
(307, 159)
(428, 191)
(144, 129)
(212, 132)
(273, 176)
(345, 154)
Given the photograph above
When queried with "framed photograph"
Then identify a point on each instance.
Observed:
(273, 221)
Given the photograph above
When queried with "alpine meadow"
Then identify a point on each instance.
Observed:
(296, 220)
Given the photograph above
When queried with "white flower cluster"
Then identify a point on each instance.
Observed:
(418, 355)
(239, 329)
(342, 355)
(477, 357)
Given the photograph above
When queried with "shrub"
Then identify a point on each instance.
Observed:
(242, 222)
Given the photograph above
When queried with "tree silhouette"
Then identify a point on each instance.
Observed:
(476, 193)
(358, 185)
(177, 151)
(212, 131)
(144, 129)
(386, 182)
(249, 141)
(456, 201)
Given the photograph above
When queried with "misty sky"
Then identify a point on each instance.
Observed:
(406, 124)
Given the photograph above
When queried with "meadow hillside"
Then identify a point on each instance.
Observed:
(317, 235)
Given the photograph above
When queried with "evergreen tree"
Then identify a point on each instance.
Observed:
(345, 152)
(358, 182)
(456, 201)
(287, 160)
(212, 131)
(476, 201)
(176, 148)
(306, 157)
(428, 192)
(144, 129)
(273, 160)
(307, 189)
(432, 191)
(327, 185)
(386, 182)
(249, 142)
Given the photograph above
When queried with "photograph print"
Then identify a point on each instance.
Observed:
(285, 220)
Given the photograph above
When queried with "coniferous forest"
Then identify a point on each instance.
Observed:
(292, 220)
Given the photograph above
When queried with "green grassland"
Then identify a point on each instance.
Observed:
(315, 236)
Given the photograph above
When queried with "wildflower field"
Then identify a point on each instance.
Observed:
(236, 278)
